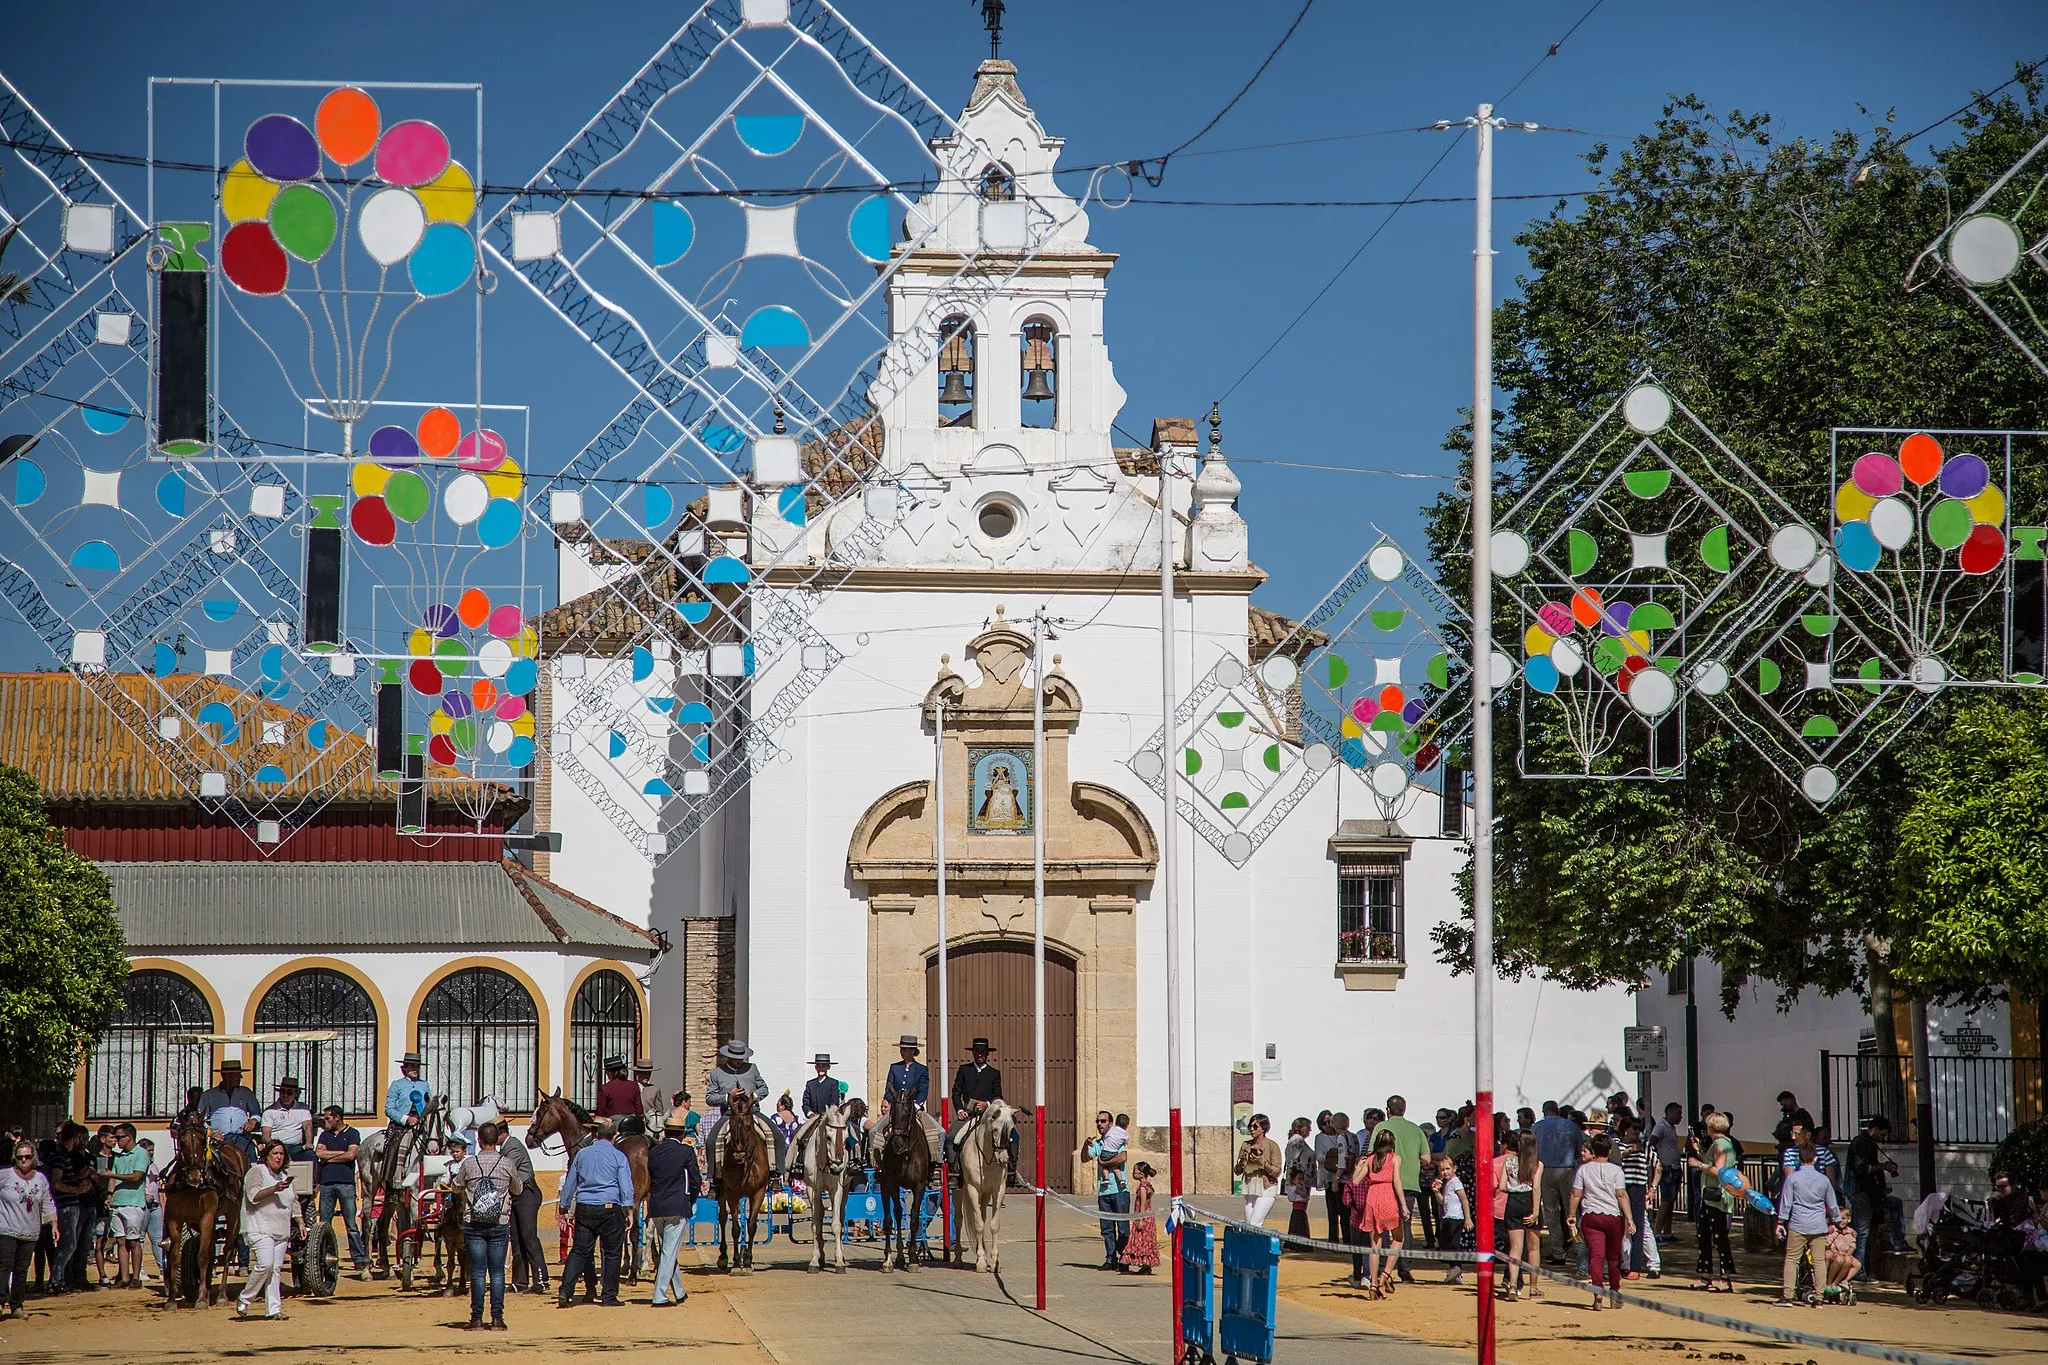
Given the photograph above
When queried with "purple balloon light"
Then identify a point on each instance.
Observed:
(440, 619)
(1965, 476)
(456, 704)
(394, 446)
(281, 148)
(1614, 621)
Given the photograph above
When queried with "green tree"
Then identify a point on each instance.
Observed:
(1762, 281)
(62, 956)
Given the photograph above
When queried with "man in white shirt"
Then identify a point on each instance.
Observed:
(1333, 1167)
(1663, 1140)
(289, 1120)
(230, 1108)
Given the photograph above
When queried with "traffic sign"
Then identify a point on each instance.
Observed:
(1643, 1048)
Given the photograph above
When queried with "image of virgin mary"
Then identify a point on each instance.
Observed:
(999, 806)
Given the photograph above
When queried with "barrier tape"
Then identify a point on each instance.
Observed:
(1789, 1336)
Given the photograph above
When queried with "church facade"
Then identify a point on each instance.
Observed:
(805, 916)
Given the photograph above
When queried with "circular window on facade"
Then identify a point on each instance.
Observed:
(996, 518)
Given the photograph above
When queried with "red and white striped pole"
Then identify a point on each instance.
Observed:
(1038, 676)
(945, 1055)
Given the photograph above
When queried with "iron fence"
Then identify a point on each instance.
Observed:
(1976, 1101)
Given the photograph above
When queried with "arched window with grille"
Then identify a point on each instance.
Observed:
(604, 1022)
(343, 1070)
(956, 372)
(998, 184)
(136, 1071)
(480, 1036)
(1040, 365)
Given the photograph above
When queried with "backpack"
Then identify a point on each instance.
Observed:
(487, 1197)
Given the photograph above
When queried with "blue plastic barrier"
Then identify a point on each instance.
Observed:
(1251, 1294)
(1198, 1288)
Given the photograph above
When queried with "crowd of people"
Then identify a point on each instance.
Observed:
(1591, 1194)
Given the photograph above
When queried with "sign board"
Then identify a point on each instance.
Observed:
(1643, 1048)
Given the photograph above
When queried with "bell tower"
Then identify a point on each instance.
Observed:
(1022, 381)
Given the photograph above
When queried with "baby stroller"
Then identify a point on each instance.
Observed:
(1966, 1254)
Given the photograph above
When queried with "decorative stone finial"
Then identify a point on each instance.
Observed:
(945, 660)
(780, 429)
(999, 611)
(1216, 426)
(1057, 661)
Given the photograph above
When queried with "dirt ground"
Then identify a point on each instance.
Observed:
(1558, 1328)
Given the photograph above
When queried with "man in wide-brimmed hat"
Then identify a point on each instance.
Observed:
(736, 1071)
(231, 1109)
(618, 1099)
(977, 1082)
(654, 1105)
(821, 1092)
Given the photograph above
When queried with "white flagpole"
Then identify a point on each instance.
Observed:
(944, 1055)
(1169, 875)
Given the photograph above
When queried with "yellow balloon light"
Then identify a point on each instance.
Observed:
(1537, 641)
(439, 722)
(1988, 507)
(505, 481)
(245, 195)
(527, 646)
(368, 479)
(449, 197)
(421, 643)
(1852, 503)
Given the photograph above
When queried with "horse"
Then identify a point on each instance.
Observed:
(394, 1171)
(904, 1163)
(448, 1231)
(558, 1116)
(829, 1158)
(984, 1156)
(204, 1183)
(742, 1171)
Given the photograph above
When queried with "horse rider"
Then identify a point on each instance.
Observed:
(821, 1092)
(735, 1072)
(974, 1085)
(618, 1099)
(911, 1077)
(231, 1109)
(405, 1105)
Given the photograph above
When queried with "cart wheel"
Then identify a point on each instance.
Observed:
(319, 1261)
(188, 1267)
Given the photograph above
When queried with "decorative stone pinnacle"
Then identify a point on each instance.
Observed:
(1216, 426)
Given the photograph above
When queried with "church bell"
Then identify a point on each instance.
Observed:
(1036, 385)
(955, 388)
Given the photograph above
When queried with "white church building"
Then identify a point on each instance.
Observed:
(804, 916)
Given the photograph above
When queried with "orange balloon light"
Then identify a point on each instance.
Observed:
(484, 693)
(473, 608)
(1920, 457)
(439, 431)
(347, 125)
(1586, 607)
(1391, 698)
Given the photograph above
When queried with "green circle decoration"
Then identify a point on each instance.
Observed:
(302, 219)
(405, 493)
(451, 656)
(1949, 523)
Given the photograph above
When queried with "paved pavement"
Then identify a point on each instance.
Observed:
(1092, 1315)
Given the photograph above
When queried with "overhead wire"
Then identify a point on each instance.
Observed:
(2024, 73)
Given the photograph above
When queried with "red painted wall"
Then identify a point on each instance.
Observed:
(144, 834)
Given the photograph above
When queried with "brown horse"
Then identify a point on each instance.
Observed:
(204, 1183)
(904, 1163)
(558, 1116)
(742, 1171)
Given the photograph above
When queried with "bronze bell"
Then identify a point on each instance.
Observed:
(1036, 385)
(955, 388)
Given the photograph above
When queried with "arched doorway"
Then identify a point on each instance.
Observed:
(989, 994)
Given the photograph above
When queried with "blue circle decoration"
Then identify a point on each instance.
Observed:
(521, 752)
(1856, 546)
(166, 661)
(104, 421)
(868, 228)
(1541, 673)
(657, 504)
(725, 569)
(219, 608)
(217, 713)
(695, 613)
(774, 325)
(521, 676)
(97, 556)
(721, 440)
(790, 503)
(316, 734)
(694, 713)
(271, 775)
(170, 493)
(672, 229)
(643, 663)
(443, 261)
(768, 134)
(29, 482)
(615, 744)
(499, 525)
(271, 665)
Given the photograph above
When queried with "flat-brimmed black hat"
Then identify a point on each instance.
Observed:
(822, 1059)
(908, 1040)
(981, 1045)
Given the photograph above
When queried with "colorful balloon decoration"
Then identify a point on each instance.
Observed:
(478, 660)
(395, 485)
(1921, 493)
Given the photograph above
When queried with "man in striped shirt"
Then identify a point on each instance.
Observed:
(1638, 1174)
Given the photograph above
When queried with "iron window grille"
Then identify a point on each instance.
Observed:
(480, 1038)
(1370, 918)
(343, 1071)
(604, 1022)
(136, 1071)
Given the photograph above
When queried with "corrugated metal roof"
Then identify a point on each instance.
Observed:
(362, 905)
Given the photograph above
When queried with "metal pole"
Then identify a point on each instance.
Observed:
(1169, 880)
(945, 1055)
(1923, 1099)
(1038, 672)
(1482, 715)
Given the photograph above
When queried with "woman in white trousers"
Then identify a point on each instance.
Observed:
(1258, 1164)
(269, 1210)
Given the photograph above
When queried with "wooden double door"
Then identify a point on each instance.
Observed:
(990, 995)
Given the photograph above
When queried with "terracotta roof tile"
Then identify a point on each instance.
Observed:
(65, 731)
(1268, 632)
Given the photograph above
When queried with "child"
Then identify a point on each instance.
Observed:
(1450, 1215)
(1841, 1257)
(1141, 1249)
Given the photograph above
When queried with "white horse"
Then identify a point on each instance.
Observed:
(829, 1158)
(984, 1156)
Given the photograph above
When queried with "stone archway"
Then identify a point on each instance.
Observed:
(989, 995)
(1100, 850)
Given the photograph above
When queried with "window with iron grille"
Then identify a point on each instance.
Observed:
(136, 1071)
(1679, 979)
(480, 1039)
(1369, 909)
(604, 1022)
(343, 1071)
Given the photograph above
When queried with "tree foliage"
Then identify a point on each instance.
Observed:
(62, 956)
(1762, 281)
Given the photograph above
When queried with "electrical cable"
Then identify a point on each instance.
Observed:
(2024, 73)
(1243, 90)
(1359, 203)
(1548, 53)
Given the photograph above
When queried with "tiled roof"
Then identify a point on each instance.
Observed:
(1268, 632)
(608, 618)
(305, 906)
(79, 748)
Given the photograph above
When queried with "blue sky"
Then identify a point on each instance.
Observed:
(1373, 378)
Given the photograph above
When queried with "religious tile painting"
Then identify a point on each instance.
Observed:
(999, 790)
